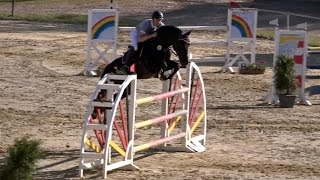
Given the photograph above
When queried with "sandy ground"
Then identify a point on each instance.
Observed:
(41, 96)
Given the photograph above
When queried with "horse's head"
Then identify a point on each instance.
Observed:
(173, 36)
(181, 47)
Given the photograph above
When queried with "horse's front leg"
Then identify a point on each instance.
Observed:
(170, 70)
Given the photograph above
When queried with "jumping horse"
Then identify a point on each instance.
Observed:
(152, 59)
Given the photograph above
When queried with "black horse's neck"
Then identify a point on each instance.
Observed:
(167, 35)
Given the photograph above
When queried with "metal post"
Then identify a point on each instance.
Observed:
(12, 8)
(288, 21)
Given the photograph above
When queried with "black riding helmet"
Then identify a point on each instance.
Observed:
(157, 15)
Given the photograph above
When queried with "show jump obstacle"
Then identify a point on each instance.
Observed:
(110, 140)
(242, 27)
(102, 37)
(294, 44)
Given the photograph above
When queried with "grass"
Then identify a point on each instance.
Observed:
(64, 18)
(41, 1)
(314, 41)
(264, 34)
(53, 18)
(14, 0)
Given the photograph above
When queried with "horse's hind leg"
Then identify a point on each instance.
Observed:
(112, 67)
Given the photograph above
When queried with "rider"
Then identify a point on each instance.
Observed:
(144, 31)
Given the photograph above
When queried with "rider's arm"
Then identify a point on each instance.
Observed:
(143, 37)
(161, 24)
(144, 31)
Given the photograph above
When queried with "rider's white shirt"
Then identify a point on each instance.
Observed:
(145, 27)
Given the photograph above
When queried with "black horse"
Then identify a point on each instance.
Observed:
(153, 56)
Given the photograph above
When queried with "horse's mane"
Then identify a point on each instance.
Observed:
(169, 33)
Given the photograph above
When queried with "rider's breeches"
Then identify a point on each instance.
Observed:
(134, 39)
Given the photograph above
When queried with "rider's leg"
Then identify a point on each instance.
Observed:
(128, 56)
(134, 39)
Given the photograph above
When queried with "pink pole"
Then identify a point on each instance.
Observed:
(124, 124)
(122, 139)
(158, 142)
(195, 110)
(161, 96)
(159, 119)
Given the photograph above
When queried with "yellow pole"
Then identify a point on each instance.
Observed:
(98, 149)
(173, 125)
(197, 122)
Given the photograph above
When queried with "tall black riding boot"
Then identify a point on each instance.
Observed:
(127, 59)
(128, 56)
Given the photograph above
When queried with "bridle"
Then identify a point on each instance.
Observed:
(187, 42)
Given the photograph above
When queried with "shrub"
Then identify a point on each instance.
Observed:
(252, 69)
(20, 164)
(285, 79)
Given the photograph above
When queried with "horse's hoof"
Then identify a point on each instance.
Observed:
(162, 78)
(94, 115)
(123, 70)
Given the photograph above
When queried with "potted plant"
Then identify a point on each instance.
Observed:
(285, 81)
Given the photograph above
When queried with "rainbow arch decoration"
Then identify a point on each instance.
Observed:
(102, 26)
(102, 38)
(243, 23)
(242, 26)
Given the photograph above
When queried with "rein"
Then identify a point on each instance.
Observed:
(173, 52)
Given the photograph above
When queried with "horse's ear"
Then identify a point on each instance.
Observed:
(187, 33)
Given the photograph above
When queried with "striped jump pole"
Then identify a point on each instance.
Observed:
(160, 119)
(161, 96)
(158, 142)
